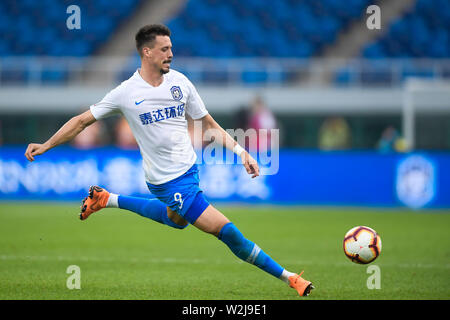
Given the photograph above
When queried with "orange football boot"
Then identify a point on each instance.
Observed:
(97, 199)
(302, 286)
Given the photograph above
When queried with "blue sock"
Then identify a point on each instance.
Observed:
(247, 250)
(148, 208)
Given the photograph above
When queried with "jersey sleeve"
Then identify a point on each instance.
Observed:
(109, 105)
(195, 107)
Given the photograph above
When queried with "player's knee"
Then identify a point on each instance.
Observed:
(211, 221)
(175, 220)
(215, 229)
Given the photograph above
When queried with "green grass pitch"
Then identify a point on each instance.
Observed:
(124, 256)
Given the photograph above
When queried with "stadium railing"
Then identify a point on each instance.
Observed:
(69, 71)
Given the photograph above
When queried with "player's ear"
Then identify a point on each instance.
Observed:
(147, 52)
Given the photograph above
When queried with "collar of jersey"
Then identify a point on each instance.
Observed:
(141, 79)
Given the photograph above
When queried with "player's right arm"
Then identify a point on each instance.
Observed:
(108, 106)
(66, 133)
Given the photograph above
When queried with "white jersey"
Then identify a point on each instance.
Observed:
(156, 116)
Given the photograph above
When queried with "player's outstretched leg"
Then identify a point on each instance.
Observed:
(214, 222)
(153, 209)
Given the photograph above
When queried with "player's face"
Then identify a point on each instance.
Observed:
(161, 54)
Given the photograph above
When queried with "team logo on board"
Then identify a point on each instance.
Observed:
(176, 93)
(415, 181)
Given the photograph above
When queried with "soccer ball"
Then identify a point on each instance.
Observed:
(362, 244)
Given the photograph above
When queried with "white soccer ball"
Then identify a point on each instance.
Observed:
(362, 244)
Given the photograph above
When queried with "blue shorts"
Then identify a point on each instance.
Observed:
(183, 195)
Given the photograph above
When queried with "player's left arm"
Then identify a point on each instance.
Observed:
(228, 142)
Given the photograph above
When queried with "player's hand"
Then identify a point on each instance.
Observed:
(250, 164)
(34, 149)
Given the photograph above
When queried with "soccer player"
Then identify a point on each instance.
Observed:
(155, 101)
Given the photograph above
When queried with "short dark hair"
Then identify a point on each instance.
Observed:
(148, 33)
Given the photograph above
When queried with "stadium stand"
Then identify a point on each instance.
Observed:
(221, 44)
(421, 33)
(257, 28)
(284, 28)
(38, 28)
(225, 30)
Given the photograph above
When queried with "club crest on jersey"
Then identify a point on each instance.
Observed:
(176, 93)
